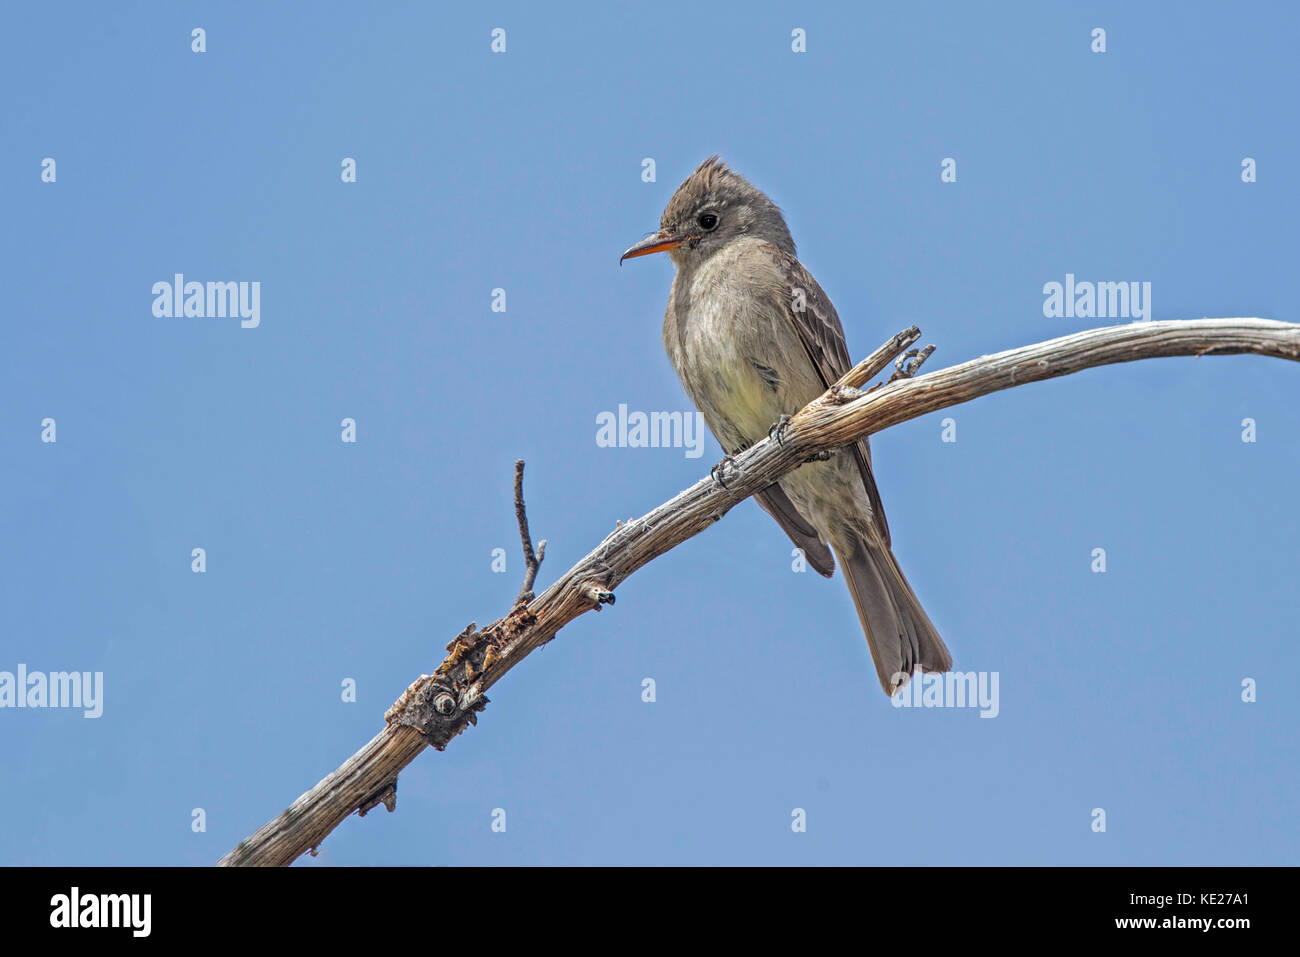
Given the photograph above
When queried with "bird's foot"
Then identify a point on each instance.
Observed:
(906, 370)
(719, 471)
(777, 431)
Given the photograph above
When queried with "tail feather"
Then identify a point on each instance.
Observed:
(899, 632)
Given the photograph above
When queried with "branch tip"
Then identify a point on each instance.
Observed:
(863, 372)
(532, 560)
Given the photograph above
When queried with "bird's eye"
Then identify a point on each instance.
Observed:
(707, 220)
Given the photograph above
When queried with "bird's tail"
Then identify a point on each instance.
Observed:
(898, 630)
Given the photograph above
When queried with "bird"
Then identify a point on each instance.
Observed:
(754, 339)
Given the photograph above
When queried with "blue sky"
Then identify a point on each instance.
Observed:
(328, 561)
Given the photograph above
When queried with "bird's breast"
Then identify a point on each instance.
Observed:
(723, 337)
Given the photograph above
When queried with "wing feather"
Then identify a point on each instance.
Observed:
(818, 325)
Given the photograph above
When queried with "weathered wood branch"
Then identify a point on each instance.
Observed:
(437, 707)
(532, 560)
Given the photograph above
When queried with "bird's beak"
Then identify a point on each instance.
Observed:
(658, 243)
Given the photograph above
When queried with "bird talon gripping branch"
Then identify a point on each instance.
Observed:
(719, 471)
(778, 430)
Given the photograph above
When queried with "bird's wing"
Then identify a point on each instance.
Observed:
(818, 325)
(776, 503)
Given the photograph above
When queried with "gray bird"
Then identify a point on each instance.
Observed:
(753, 338)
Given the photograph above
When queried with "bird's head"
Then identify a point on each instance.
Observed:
(711, 209)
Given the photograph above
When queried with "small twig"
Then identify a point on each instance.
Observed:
(862, 373)
(900, 362)
(532, 560)
(907, 370)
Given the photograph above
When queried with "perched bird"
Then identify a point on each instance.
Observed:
(753, 339)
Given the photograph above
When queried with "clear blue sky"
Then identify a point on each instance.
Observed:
(523, 171)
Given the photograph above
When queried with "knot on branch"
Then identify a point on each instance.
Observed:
(441, 705)
(433, 708)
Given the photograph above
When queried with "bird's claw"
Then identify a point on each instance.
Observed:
(777, 431)
(718, 471)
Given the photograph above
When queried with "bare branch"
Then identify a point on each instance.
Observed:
(436, 708)
(531, 560)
